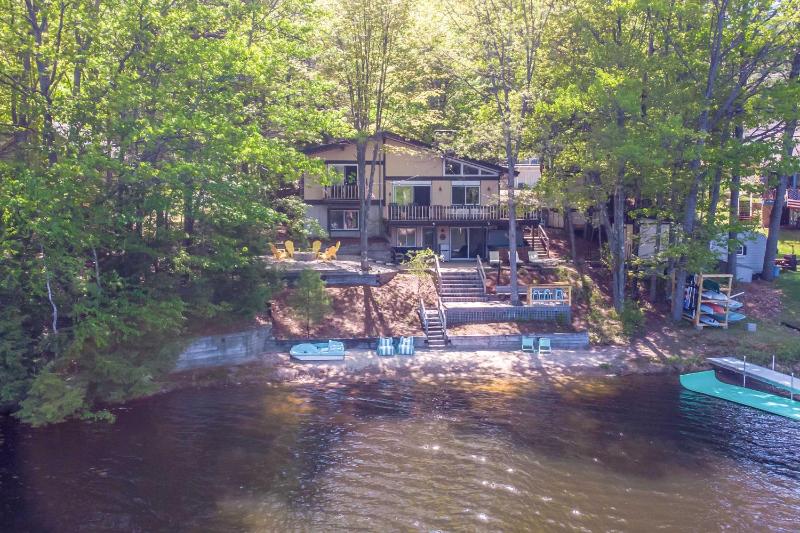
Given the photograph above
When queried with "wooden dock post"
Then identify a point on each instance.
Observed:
(791, 388)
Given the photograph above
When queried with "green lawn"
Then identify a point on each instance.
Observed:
(788, 238)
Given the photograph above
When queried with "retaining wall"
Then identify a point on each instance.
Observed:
(508, 314)
(224, 349)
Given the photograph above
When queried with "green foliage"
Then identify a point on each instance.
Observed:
(51, 399)
(309, 300)
(419, 264)
(632, 318)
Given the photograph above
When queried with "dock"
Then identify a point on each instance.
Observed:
(760, 373)
(707, 383)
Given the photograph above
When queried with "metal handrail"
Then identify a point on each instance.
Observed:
(423, 315)
(481, 273)
(443, 319)
(438, 274)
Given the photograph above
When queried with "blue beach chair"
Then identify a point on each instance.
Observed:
(385, 346)
(528, 343)
(544, 346)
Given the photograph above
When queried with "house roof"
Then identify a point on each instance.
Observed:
(405, 140)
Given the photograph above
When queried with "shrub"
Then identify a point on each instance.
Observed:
(632, 318)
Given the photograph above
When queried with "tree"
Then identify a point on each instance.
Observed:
(419, 265)
(365, 38)
(788, 165)
(309, 300)
(495, 51)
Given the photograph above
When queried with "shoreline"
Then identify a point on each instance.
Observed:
(276, 367)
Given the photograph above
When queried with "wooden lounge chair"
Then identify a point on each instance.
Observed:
(289, 245)
(544, 346)
(528, 343)
(405, 346)
(315, 247)
(494, 258)
(533, 256)
(277, 254)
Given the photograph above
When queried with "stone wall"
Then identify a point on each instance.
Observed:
(559, 341)
(228, 349)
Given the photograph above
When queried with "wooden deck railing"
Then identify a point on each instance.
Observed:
(438, 274)
(414, 212)
(545, 239)
(341, 192)
(423, 315)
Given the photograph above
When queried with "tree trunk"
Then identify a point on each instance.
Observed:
(780, 191)
(573, 249)
(616, 242)
(512, 217)
(733, 209)
(363, 194)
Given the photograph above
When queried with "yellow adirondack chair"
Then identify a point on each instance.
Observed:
(289, 245)
(330, 253)
(315, 247)
(336, 248)
(278, 254)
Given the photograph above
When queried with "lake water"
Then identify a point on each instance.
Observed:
(596, 454)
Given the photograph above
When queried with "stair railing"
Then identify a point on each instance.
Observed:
(545, 240)
(482, 274)
(443, 319)
(438, 273)
(423, 316)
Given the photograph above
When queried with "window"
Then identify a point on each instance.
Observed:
(406, 237)
(343, 219)
(407, 193)
(349, 173)
(403, 194)
(466, 194)
(452, 168)
(742, 250)
(457, 168)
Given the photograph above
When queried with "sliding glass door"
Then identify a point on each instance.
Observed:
(467, 243)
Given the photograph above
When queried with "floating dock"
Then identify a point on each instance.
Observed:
(759, 373)
(707, 383)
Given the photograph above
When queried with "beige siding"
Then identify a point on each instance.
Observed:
(443, 196)
(489, 191)
(313, 191)
(407, 160)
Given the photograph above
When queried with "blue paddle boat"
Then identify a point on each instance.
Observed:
(321, 351)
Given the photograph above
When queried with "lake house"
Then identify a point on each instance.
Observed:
(422, 198)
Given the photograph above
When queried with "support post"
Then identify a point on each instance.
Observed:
(744, 371)
(791, 388)
(773, 362)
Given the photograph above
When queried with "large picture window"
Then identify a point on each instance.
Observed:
(348, 172)
(406, 237)
(466, 194)
(403, 194)
(343, 219)
(412, 193)
(457, 168)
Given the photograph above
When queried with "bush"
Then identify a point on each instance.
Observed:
(632, 319)
(51, 399)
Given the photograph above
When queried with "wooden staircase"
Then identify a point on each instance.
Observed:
(435, 325)
(538, 240)
(461, 286)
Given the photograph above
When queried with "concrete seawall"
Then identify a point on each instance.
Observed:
(245, 346)
(218, 350)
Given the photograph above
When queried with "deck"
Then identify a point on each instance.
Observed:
(414, 213)
(760, 373)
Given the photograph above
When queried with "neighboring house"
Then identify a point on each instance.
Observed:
(750, 254)
(421, 197)
(528, 173)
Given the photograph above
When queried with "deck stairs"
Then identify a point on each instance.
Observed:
(537, 239)
(461, 286)
(436, 336)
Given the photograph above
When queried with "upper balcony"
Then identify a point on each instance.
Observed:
(456, 213)
(340, 192)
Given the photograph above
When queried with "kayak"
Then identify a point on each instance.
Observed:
(709, 321)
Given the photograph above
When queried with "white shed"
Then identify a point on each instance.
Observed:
(750, 255)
